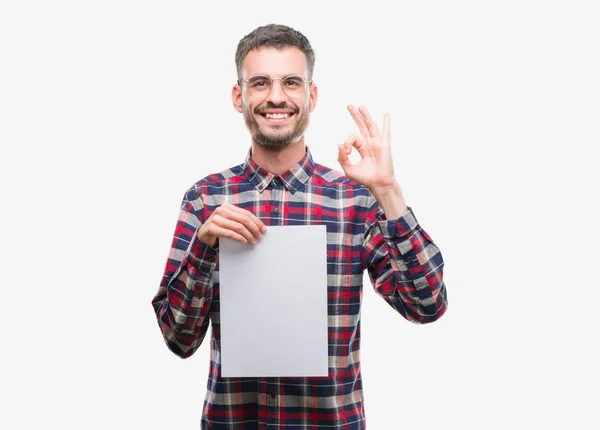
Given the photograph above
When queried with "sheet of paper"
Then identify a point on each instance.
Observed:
(273, 304)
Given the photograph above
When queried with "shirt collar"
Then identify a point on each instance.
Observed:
(293, 179)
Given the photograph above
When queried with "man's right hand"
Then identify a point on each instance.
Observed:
(235, 223)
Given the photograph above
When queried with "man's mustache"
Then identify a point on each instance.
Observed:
(269, 105)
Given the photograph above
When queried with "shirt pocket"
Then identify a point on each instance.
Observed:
(343, 287)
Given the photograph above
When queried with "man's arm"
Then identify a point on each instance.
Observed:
(182, 303)
(404, 265)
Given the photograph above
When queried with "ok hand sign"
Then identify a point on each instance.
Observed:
(374, 170)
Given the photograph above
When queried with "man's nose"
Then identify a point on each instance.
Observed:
(276, 95)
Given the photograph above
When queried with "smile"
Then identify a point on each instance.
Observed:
(277, 117)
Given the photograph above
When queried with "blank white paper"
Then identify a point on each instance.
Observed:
(273, 304)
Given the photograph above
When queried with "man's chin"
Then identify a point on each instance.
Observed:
(272, 142)
(276, 136)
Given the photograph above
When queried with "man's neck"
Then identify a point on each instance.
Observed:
(281, 160)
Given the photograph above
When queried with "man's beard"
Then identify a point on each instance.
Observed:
(276, 138)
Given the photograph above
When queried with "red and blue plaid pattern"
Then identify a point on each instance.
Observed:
(404, 266)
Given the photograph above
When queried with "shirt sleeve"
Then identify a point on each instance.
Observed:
(405, 266)
(182, 303)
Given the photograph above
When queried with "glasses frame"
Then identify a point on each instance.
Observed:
(307, 84)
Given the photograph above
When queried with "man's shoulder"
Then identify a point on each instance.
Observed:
(217, 179)
(332, 177)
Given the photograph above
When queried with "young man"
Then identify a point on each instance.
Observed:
(369, 228)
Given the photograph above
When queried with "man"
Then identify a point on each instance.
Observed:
(369, 228)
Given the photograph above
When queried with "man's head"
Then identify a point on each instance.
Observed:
(275, 92)
(274, 36)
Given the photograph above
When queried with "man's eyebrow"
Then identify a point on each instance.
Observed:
(262, 75)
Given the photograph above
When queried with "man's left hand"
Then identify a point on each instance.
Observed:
(374, 170)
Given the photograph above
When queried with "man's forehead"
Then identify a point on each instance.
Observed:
(275, 62)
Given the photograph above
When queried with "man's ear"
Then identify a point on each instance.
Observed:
(314, 93)
(236, 98)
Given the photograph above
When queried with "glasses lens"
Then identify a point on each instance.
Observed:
(260, 86)
(294, 86)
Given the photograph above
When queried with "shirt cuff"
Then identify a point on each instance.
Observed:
(399, 228)
(200, 252)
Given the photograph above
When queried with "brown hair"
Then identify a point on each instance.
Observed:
(276, 36)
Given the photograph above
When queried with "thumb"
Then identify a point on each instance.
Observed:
(343, 158)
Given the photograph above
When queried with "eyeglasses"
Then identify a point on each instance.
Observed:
(260, 86)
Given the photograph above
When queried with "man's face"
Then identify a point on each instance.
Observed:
(275, 119)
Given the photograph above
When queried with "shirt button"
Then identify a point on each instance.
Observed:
(276, 210)
(273, 394)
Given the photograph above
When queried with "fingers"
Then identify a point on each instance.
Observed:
(343, 158)
(344, 149)
(386, 126)
(259, 224)
(364, 121)
(232, 222)
(360, 122)
(358, 143)
(240, 225)
(223, 232)
(241, 221)
(369, 121)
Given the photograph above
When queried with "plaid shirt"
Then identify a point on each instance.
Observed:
(403, 263)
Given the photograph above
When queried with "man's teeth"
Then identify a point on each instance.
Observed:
(277, 115)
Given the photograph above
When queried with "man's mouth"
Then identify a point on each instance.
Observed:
(272, 116)
(277, 115)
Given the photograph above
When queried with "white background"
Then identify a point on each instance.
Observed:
(110, 110)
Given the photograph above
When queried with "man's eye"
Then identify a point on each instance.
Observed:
(260, 83)
(292, 83)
